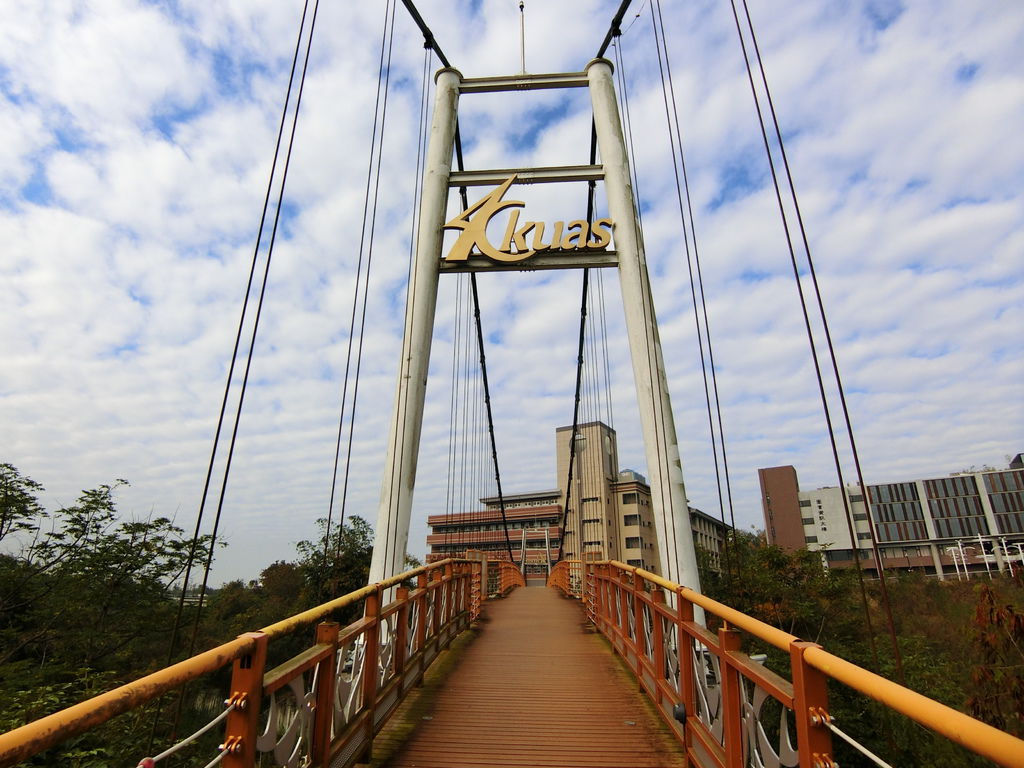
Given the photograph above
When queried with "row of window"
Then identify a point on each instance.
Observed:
(961, 506)
(904, 531)
(949, 487)
(893, 492)
(961, 526)
(997, 482)
(1011, 501)
(898, 511)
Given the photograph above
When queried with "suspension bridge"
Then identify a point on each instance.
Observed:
(459, 662)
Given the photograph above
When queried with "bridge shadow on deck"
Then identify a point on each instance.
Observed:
(536, 687)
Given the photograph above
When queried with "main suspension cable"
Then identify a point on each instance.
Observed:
(817, 365)
(693, 265)
(375, 156)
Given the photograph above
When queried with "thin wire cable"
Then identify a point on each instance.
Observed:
(669, 514)
(231, 374)
(180, 745)
(238, 339)
(810, 337)
(865, 491)
(414, 227)
(357, 292)
(700, 309)
(255, 326)
(490, 415)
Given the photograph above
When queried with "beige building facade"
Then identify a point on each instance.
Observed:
(603, 513)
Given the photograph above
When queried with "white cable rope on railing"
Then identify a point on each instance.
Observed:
(149, 762)
(827, 722)
(216, 760)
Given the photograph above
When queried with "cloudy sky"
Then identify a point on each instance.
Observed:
(135, 146)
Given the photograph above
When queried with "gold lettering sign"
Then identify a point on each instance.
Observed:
(524, 240)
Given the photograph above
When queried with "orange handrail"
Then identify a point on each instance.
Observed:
(622, 598)
(435, 581)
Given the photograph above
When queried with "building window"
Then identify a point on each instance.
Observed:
(632, 542)
(805, 503)
(807, 520)
(629, 498)
(859, 516)
(864, 536)
(856, 497)
(631, 520)
(811, 539)
(636, 563)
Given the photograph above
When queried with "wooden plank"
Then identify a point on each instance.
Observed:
(537, 687)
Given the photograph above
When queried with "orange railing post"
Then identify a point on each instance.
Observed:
(658, 642)
(448, 587)
(729, 640)
(435, 615)
(371, 660)
(421, 614)
(401, 630)
(323, 715)
(684, 650)
(810, 704)
(639, 635)
(246, 694)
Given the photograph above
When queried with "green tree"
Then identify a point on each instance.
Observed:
(336, 563)
(997, 682)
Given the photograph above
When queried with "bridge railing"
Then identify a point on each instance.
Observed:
(728, 709)
(323, 706)
(501, 576)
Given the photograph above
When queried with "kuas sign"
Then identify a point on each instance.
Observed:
(577, 236)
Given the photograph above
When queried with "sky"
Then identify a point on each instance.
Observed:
(136, 141)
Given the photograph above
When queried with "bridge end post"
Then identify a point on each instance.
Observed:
(371, 656)
(729, 640)
(326, 634)
(810, 695)
(246, 694)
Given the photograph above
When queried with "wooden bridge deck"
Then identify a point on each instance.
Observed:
(537, 688)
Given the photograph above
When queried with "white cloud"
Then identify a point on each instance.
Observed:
(135, 145)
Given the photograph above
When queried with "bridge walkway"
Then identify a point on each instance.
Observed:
(537, 687)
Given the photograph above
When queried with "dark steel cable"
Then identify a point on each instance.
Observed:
(231, 371)
(256, 322)
(591, 188)
(865, 491)
(614, 28)
(810, 338)
(490, 415)
(356, 294)
(668, 512)
(238, 339)
(369, 262)
(696, 285)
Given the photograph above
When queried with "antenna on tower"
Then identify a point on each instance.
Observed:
(522, 39)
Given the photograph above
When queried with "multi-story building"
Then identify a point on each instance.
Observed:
(604, 514)
(534, 527)
(970, 521)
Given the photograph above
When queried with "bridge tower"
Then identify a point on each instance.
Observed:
(614, 242)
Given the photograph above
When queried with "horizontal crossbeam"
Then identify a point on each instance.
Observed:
(523, 82)
(490, 178)
(564, 260)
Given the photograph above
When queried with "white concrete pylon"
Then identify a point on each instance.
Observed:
(392, 533)
(668, 496)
